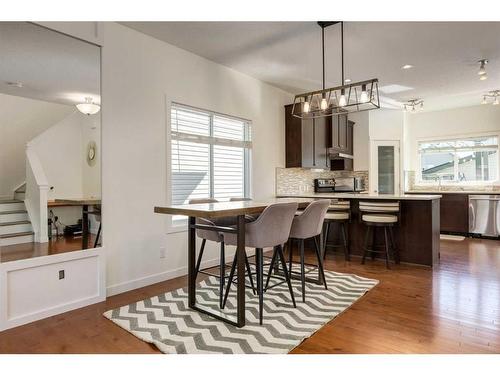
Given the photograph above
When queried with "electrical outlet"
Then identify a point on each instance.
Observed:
(61, 274)
(163, 253)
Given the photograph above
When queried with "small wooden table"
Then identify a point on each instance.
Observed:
(215, 210)
(85, 203)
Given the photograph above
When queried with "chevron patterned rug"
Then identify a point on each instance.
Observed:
(167, 322)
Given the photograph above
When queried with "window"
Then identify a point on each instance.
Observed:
(210, 155)
(459, 160)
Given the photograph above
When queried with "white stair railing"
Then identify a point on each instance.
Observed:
(37, 189)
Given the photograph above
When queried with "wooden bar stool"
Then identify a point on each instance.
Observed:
(383, 215)
(339, 212)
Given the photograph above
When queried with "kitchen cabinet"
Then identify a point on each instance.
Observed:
(454, 212)
(342, 134)
(306, 141)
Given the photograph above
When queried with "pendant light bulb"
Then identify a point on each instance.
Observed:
(413, 108)
(496, 102)
(342, 99)
(324, 104)
(483, 77)
(482, 68)
(484, 100)
(364, 95)
(422, 105)
(307, 107)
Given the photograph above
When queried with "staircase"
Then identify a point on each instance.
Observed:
(15, 226)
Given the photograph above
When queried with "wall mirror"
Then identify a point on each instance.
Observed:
(50, 142)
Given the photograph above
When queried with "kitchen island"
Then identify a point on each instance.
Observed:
(416, 235)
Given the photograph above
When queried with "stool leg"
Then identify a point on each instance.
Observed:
(346, 244)
(222, 272)
(260, 282)
(290, 256)
(287, 277)
(271, 267)
(325, 240)
(249, 270)
(302, 270)
(365, 250)
(386, 243)
(230, 280)
(200, 255)
(321, 270)
(373, 243)
(395, 250)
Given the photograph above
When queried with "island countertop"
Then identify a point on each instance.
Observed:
(403, 197)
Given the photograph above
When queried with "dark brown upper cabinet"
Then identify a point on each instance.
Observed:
(306, 141)
(342, 134)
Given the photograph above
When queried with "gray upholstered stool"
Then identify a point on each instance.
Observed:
(271, 229)
(339, 212)
(308, 225)
(382, 215)
(207, 235)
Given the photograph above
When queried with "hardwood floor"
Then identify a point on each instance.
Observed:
(453, 308)
(29, 250)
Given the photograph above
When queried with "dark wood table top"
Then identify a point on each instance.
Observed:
(221, 209)
(78, 201)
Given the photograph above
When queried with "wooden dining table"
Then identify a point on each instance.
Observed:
(217, 210)
(84, 203)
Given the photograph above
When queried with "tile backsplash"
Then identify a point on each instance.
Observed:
(301, 180)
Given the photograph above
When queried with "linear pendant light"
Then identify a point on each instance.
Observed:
(348, 98)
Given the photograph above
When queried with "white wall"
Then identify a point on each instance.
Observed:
(21, 120)
(140, 75)
(448, 123)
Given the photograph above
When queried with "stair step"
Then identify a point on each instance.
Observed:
(11, 235)
(13, 212)
(15, 223)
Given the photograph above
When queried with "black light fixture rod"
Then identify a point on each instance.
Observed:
(342, 48)
(323, 52)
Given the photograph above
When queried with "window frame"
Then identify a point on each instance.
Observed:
(420, 181)
(181, 225)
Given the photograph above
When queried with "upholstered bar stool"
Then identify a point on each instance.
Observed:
(339, 213)
(207, 235)
(271, 229)
(308, 225)
(383, 215)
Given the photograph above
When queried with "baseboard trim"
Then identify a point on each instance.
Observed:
(141, 282)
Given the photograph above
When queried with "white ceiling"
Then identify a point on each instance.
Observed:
(51, 66)
(288, 54)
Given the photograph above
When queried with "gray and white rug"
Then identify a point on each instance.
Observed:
(167, 322)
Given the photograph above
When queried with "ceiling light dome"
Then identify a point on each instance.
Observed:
(89, 107)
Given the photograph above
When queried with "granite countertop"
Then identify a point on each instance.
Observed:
(408, 197)
(476, 192)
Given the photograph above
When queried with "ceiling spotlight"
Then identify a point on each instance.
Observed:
(482, 69)
(407, 66)
(89, 107)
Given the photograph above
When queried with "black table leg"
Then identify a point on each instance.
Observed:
(85, 226)
(191, 262)
(241, 255)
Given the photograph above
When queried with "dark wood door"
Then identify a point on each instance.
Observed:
(350, 129)
(308, 144)
(293, 139)
(321, 159)
(335, 133)
(342, 133)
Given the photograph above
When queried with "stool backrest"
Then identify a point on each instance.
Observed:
(310, 222)
(380, 208)
(272, 227)
(337, 205)
(206, 234)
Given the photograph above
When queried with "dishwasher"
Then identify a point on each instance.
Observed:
(484, 215)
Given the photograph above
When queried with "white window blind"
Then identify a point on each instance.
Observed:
(210, 155)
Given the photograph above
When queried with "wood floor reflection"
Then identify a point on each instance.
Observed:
(57, 245)
(453, 308)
